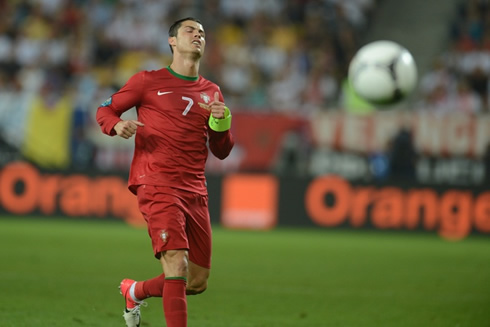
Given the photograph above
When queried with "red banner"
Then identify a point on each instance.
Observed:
(259, 137)
(451, 135)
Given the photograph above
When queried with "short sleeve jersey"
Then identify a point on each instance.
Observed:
(171, 149)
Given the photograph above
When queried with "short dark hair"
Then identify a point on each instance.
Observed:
(176, 25)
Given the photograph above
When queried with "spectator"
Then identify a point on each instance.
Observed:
(402, 155)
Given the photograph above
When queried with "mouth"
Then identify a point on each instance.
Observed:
(197, 43)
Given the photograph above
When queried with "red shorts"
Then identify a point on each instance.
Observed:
(177, 219)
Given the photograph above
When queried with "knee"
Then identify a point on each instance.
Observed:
(175, 263)
(196, 286)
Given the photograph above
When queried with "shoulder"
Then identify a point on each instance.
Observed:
(138, 77)
(204, 82)
(148, 76)
(154, 74)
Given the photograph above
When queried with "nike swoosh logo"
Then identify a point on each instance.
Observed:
(162, 93)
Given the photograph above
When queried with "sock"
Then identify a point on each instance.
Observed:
(131, 293)
(150, 288)
(175, 302)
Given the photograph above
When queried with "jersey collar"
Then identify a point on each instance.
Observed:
(187, 78)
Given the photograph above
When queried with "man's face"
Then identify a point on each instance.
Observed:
(190, 38)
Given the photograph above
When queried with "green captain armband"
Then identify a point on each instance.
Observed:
(221, 125)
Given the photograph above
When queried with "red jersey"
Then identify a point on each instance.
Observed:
(171, 149)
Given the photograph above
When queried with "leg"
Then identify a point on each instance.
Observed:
(200, 243)
(164, 213)
(197, 279)
(175, 265)
(149, 288)
(176, 221)
(197, 282)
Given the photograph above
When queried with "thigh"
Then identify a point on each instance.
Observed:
(199, 232)
(165, 217)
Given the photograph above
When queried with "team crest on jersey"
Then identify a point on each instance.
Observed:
(106, 102)
(164, 235)
(206, 98)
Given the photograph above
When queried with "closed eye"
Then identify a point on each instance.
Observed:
(190, 29)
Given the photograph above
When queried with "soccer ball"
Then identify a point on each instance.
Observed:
(383, 72)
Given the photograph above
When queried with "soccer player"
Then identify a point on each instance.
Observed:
(180, 113)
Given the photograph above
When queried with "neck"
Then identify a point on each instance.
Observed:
(186, 67)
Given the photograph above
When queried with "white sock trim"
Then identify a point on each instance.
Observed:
(131, 292)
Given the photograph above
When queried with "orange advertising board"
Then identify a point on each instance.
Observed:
(260, 201)
(453, 213)
(249, 201)
(25, 190)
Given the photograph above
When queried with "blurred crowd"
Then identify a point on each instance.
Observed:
(458, 81)
(59, 59)
(267, 55)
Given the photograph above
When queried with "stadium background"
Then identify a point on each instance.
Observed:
(282, 67)
(309, 153)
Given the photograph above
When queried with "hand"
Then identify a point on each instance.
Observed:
(217, 108)
(127, 128)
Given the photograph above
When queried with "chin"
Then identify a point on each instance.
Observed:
(198, 54)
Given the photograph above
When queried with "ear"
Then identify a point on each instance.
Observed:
(172, 40)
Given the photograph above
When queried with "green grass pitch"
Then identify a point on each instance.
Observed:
(61, 272)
